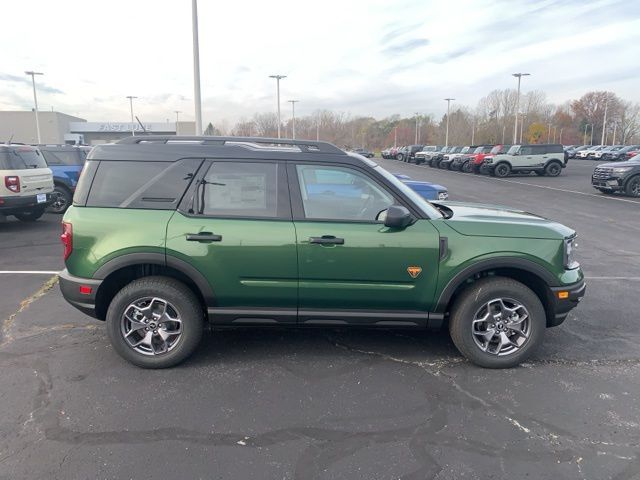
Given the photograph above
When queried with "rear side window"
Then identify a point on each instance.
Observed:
(21, 159)
(148, 185)
(63, 157)
(240, 189)
(538, 149)
(554, 149)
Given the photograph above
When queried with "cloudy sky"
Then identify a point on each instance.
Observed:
(362, 57)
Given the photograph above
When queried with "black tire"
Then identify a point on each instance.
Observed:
(484, 170)
(502, 170)
(30, 215)
(605, 190)
(62, 199)
(472, 300)
(632, 188)
(466, 167)
(540, 173)
(180, 297)
(434, 163)
(400, 157)
(553, 169)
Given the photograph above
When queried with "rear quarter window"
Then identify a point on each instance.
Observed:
(63, 157)
(146, 185)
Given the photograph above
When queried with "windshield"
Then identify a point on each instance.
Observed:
(496, 149)
(465, 150)
(513, 150)
(478, 150)
(428, 209)
(21, 158)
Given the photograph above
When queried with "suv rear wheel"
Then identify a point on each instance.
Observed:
(30, 215)
(497, 322)
(155, 322)
(466, 167)
(502, 170)
(553, 169)
(400, 157)
(633, 186)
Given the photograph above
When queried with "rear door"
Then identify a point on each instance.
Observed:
(235, 228)
(352, 268)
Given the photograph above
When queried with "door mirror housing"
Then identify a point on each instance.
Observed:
(397, 216)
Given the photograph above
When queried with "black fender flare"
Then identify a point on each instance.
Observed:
(490, 264)
(163, 260)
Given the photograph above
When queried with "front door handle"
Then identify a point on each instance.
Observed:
(203, 237)
(327, 240)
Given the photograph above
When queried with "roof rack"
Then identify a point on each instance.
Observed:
(306, 146)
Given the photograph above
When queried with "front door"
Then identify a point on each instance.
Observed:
(235, 228)
(351, 267)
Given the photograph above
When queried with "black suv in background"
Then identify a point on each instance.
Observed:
(408, 154)
(618, 155)
(618, 177)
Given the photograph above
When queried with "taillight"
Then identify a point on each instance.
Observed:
(67, 239)
(12, 183)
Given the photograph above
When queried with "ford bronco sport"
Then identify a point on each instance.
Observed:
(542, 159)
(166, 233)
(26, 183)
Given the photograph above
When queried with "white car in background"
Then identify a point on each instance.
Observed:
(590, 152)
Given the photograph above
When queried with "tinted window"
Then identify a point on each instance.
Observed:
(554, 149)
(152, 185)
(21, 158)
(538, 149)
(63, 157)
(339, 193)
(526, 150)
(240, 189)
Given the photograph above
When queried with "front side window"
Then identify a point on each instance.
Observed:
(240, 189)
(526, 150)
(338, 193)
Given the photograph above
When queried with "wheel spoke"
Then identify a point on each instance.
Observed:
(161, 323)
(146, 340)
(504, 341)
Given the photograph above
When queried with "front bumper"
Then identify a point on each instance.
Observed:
(572, 294)
(613, 184)
(17, 204)
(70, 288)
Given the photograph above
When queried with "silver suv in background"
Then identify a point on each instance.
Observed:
(26, 183)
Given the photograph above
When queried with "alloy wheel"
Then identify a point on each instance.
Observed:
(501, 326)
(151, 326)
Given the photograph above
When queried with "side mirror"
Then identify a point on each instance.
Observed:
(397, 217)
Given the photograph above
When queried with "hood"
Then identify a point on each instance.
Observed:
(499, 221)
(429, 184)
(628, 163)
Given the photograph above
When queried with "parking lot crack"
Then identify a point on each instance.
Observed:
(6, 335)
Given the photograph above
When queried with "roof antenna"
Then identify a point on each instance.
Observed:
(141, 125)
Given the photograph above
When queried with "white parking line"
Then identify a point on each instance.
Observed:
(625, 200)
(31, 272)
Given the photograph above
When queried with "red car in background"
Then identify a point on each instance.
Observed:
(464, 164)
(479, 166)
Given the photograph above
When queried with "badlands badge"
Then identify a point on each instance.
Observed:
(414, 271)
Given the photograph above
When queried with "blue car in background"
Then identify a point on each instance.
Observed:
(66, 162)
(427, 190)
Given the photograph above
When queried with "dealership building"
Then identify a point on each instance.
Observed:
(59, 128)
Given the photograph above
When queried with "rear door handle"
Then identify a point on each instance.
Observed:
(203, 237)
(327, 240)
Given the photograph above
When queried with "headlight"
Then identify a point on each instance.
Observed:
(443, 195)
(621, 169)
(569, 248)
(488, 159)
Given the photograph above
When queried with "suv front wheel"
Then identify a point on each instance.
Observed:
(155, 322)
(497, 322)
(502, 170)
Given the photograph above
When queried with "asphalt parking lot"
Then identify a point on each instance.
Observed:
(294, 404)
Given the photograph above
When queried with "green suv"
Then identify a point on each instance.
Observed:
(167, 233)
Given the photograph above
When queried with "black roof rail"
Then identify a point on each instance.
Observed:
(306, 146)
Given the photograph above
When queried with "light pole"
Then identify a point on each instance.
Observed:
(417, 125)
(604, 121)
(196, 67)
(549, 134)
(278, 78)
(515, 128)
(177, 112)
(591, 134)
(560, 139)
(473, 131)
(504, 129)
(395, 136)
(35, 101)
(293, 117)
(131, 97)
(615, 127)
(446, 137)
